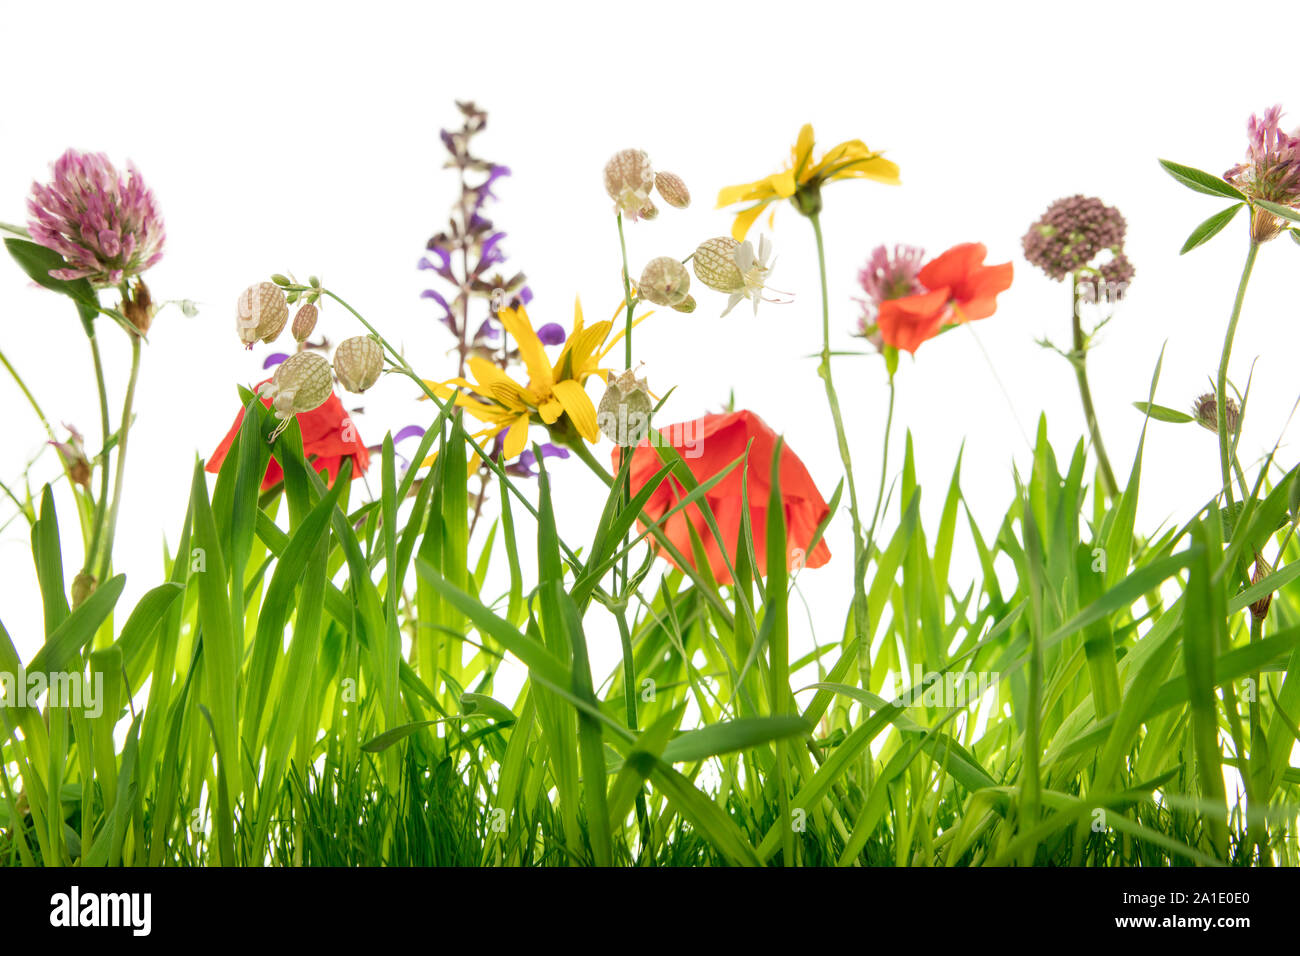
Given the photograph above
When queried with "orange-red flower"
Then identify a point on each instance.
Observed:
(709, 445)
(958, 288)
(328, 436)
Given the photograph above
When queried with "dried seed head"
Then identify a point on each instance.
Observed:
(301, 383)
(673, 190)
(624, 412)
(1206, 412)
(1259, 609)
(263, 313)
(628, 180)
(664, 281)
(358, 362)
(137, 306)
(1264, 225)
(686, 305)
(304, 321)
(715, 265)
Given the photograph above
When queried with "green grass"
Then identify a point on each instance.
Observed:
(309, 700)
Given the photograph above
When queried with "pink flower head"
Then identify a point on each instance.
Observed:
(107, 226)
(886, 277)
(1272, 168)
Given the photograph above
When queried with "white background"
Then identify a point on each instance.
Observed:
(303, 137)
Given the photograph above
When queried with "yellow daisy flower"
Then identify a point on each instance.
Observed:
(496, 399)
(802, 180)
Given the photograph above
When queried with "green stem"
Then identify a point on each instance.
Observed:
(1221, 384)
(31, 399)
(824, 370)
(101, 505)
(627, 297)
(1079, 359)
(106, 559)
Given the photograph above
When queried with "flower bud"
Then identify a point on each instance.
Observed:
(624, 412)
(304, 321)
(358, 362)
(673, 190)
(628, 180)
(83, 586)
(1206, 412)
(263, 313)
(301, 383)
(138, 308)
(686, 305)
(73, 453)
(715, 265)
(664, 281)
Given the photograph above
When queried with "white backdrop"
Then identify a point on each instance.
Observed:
(304, 137)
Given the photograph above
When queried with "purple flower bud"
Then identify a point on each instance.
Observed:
(275, 358)
(552, 333)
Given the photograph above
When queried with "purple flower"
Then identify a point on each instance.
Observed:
(1071, 234)
(442, 267)
(887, 276)
(1272, 168)
(524, 466)
(552, 333)
(105, 225)
(275, 358)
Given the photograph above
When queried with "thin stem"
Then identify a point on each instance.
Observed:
(31, 399)
(1079, 359)
(1221, 384)
(106, 560)
(627, 297)
(101, 505)
(824, 370)
(884, 468)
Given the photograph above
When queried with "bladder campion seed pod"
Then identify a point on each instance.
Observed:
(304, 321)
(715, 264)
(628, 180)
(673, 190)
(263, 313)
(301, 383)
(624, 412)
(358, 362)
(664, 281)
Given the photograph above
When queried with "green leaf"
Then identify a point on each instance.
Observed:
(1201, 181)
(1277, 209)
(1163, 414)
(38, 261)
(731, 736)
(1210, 228)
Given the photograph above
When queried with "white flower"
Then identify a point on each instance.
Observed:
(753, 270)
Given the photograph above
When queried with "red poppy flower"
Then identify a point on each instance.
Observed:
(708, 445)
(328, 436)
(959, 287)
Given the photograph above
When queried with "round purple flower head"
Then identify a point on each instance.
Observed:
(888, 276)
(107, 226)
(1071, 233)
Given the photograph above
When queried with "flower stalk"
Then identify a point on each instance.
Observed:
(1079, 359)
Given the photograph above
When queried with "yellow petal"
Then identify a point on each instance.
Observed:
(744, 219)
(803, 148)
(516, 438)
(550, 411)
(530, 348)
(579, 408)
(784, 184)
(734, 194)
